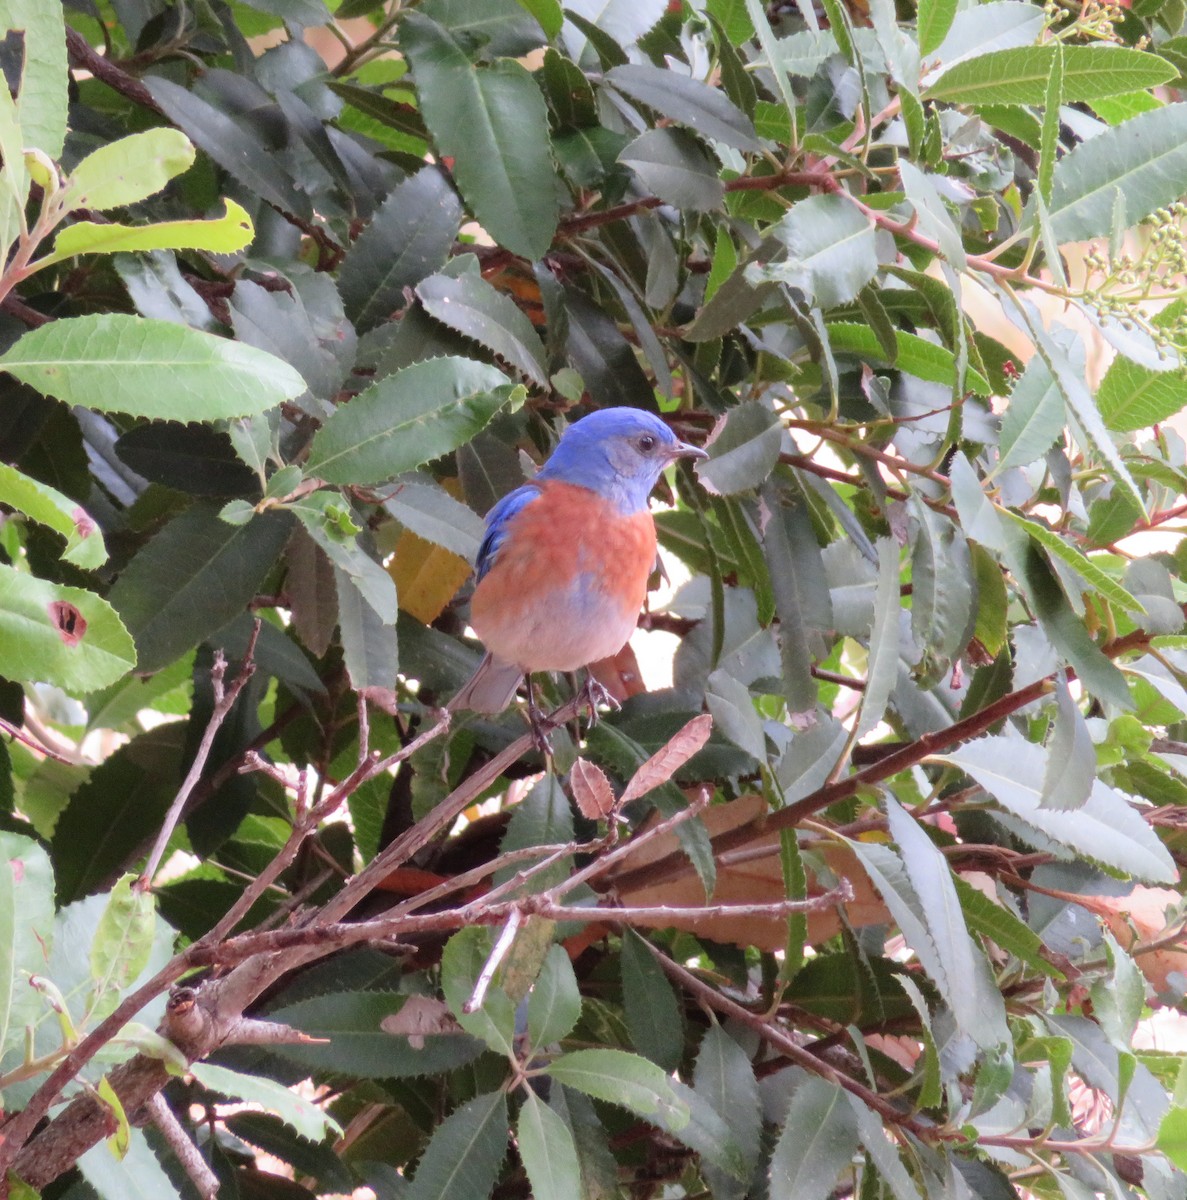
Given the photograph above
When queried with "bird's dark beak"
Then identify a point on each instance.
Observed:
(684, 450)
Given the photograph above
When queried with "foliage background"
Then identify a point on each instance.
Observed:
(882, 896)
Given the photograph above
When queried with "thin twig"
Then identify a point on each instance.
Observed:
(499, 951)
(224, 701)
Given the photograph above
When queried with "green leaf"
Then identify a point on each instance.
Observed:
(222, 235)
(123, 943)
(931, 212)
(47, 506)
(369, 644)
(1133, 397)
(996, 922)
(724, 1079)
(830, 251)
(547, 1151)
(916, 356)
(41, 100)
(409, 237)
(234, 145)
(1063, 549)
(942, 599)
(137, 1176)
(1034, 418)
(66, 636)
(469, 305)
(688, 101)
(418, 414)
(116, 363)
(624, 1079)
(493, 123)
(555, 1002)
(1020, 75)
(430, 512)
(354, 1026)
(1071, 765)
(547, 12)
(1172, 1136)
(1049, 145)
(1144, 160)
(933, 22)
(883, 659)
(652, 1011)
(671, 163)
(743, 450)
(301, 1114)
(817, 1142)
(128, 170)
(194, 577)
(463, 960)
(26, 931)
(970, 990)
(1106, 829)
(465, 1152)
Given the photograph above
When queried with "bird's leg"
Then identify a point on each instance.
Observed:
(541, 725)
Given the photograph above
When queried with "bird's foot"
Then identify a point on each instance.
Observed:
(595, 694)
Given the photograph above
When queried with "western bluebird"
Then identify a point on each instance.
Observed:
(563, 568)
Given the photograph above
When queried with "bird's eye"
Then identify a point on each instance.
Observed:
(646, 443)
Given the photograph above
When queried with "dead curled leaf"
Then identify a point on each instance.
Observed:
(669, 758)
(419, 1017)
(591, 790)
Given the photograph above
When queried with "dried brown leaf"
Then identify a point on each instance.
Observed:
(668, 759)
(591, 790)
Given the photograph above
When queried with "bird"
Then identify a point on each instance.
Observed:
(563, 566)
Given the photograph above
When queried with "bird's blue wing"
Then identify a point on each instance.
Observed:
(497, 521)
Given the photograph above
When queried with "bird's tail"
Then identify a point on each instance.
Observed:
(490, 689)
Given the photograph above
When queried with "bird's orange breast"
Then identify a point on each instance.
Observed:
(567, 583)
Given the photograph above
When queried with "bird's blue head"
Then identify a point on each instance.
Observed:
(618, 453)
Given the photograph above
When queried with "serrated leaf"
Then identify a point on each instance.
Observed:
(221, 235)
(689, 101)
(547, 1151)
(591, 790)
(830, 251)
(882, 661)
(916, 355)
(652, 1011)
(671, 163)
(462, 962)
(465, 1152)
(492, 122)
(26, 931)
(128, 170)
(555, 1002)
(933, 22)
(818, 1139)
(1071, 765)
(295, 1111)
(471, 307)
(969, 988)
(66, 636)
(624, 1079)
(41, 102)
(724, 1078)
(117, 363)
(123, 942)
(1019, 75)
(47, 506)
(1106, 829)
(1132, 396)
(409, 238)
(1143, 159)
(743, 450)
(417, 414)
(988, 919)
(1051, 541)
(1033, 419)
(194, 577)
